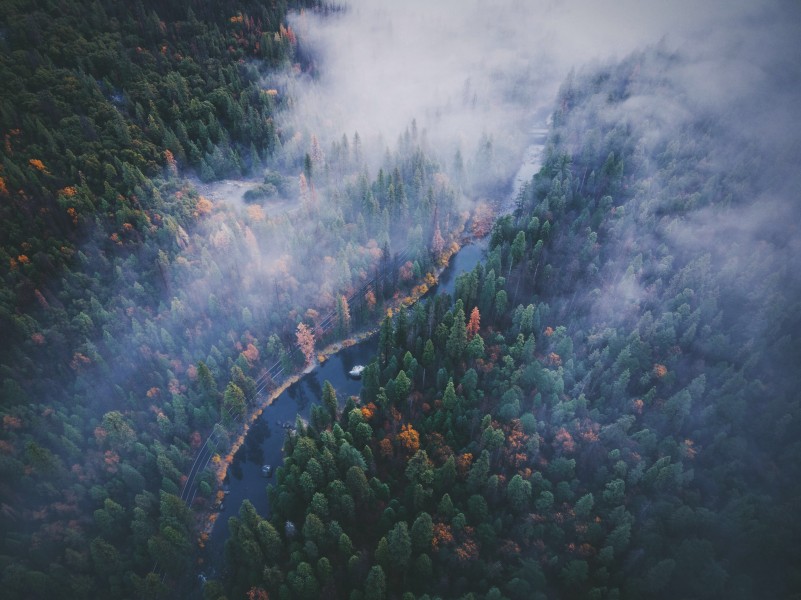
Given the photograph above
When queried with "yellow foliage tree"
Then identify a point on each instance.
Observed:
(409, 439)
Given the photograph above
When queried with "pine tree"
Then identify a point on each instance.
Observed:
(437, 244)
(375, 587)
(330, 400)
(233, 402)
(427, 358)
(457, 339)
(517, 250)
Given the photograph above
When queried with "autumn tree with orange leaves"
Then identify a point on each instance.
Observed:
(305, 340)
(409, 439)
(474, 324)
(257, 593)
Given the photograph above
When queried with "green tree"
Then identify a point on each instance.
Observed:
(517, 250)
(445, 507)
(449, 400)
(457, 338)
(303, 582)
(427, 358)
(385, 341)
(357, 483)
(171, 549)
(330, 400)
(400, 545)
(422, 533)
(518, 492)
(422, 571)
(402, 386)
(475, 348)
(382, 555)
(584, 505)
(445, 475)
(234, 404)
(375, 587)
(500, 303)
(314, 529)
(614, 492)
(244, 382)
(120, 433)
(106, 557)
(479, 470)
(575, 573)
(269, 540)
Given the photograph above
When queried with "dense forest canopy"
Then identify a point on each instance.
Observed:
(606, 408)
(100, 107)
(142, 318)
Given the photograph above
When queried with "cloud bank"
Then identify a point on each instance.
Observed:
(463, 69)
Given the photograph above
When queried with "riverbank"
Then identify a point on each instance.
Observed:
(206, 519)
(248, 454)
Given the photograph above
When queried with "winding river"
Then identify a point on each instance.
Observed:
(264, 441)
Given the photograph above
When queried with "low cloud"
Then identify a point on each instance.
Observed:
(464, 68)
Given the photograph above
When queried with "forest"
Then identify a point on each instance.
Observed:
(606, 407)
(583, 419)
(133, 308)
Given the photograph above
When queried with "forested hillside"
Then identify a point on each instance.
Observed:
(136, 314)
(608, 409)
(101, 105)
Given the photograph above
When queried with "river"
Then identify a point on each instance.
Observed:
(264, 442)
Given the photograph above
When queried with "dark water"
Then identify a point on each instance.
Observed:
(265, 439)
(463, 261)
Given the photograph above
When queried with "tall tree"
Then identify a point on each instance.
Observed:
(474, 324)
(400, 546)
(343, 315)
(457, 339)
(234, 402)
(305, 341)
(517, 250)
(330, 400)
(375, 586)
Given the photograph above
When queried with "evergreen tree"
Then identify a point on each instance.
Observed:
(457, 338)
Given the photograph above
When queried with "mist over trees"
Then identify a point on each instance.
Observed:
(139, 314)
(624, 427)
(606, 408)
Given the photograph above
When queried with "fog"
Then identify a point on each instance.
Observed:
(467, 69)
(429, 86)
(462, 69)
(462, 73)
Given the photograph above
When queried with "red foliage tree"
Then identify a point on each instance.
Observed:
(305, 342)
(474, 324)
